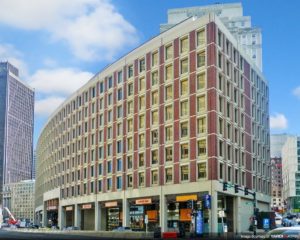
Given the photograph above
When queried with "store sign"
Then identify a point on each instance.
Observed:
(143, 201)
(186, 198)
(52, 208)
(111, 204)
(70, 208)
(86, 206)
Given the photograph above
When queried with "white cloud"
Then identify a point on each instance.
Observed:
(46, 106)
(278, 121)
(93, 29)
(63, 81)
(296, 92)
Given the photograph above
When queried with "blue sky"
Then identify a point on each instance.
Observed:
(60, 44)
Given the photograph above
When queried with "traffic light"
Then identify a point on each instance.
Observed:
(225, 186)
(246, 191)
(236, 188)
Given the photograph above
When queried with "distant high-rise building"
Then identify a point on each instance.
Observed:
(231, 15)
(16, 126)
(33, 165)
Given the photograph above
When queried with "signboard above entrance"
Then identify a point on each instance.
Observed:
(143, 201)
(86, 206)
(186, 198)
(111, 204)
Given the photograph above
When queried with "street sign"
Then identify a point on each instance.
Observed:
(266, 223)
(146, 219)
(221, 214)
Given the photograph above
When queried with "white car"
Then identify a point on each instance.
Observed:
(284, 233)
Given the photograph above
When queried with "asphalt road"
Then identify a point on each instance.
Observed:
(5, 235)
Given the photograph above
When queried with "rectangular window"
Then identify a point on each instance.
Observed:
(109, 167)
(169, 92)
(169, 52)
(169, 133)
(142, 140)
(201, 37)
(169, 72)
(110, 82)
(141, 159)
(184, 45)
(201, 81)
(120, 77)
(154, 157)
(154, 59)
(130, 107)
(130, 71)
(129, 125)
(201, 125)
(184, 109)
(169, 175)
(184, 172)
(202, 147)
(184, 66)
(129, 162)
(154, 78)
(154, 135)
(201, 59)
(99, 186)
(119, 111)
(109, 184)
(119, 146)
(169, 154)
(201, 104)
(119, 164)
(184, 151)
(141, 179)
(169, 113)
(201, 170)
(130, 89)
(129, 144)
(100, 169)
(154, 177)
(184, 129)
(155, 117)
(155, 98)
(142, 121)
(119, 182)
(120, 94)
(142, 64)
(184, 87)
(142, 84)
(129, 180)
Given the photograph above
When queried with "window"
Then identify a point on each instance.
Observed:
(129, 180)
(119, 146)
(109, 133)
(109, 116)
(141, 159)
(101, 87)
(169, 175)
(154, 59)
(109, 184)
(169, 92)
(154, 78)
(142, 121)
(119, 182)
(109, 167)
(200, 81)
(129, 125)
(184, 151)
(141, 179)
(169, 133)
(201, 170)
(154, 177)
(184, 129)
(142, 102)
(130, 107)
(169, 72)
(154, 157)
(142, 84)
(184, 66)
(184, 110)
(184, 45)
(201, 104)
(119, 94)
(109, 149)
(169, 154)
(99, 186)
(201, 59)
(120, 77)
(129, 144)
(154, 135)
(119, 164)
(154, 97)
(201, 125)
(110, 82)
(168, 113)
(130, 89)
(202, 147)
(119, 111)
(184, 88)
(129, 162)
(155, 117)
(169, 52)
(184, 172)
(201, 37)
(142, 64)
(221, 171)
(142, 140)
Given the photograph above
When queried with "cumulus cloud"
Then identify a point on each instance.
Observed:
(59, 80)
(46, 106)
(278, 121)
(93, 29)
(296, 92)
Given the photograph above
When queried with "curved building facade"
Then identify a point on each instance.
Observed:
(166, 124)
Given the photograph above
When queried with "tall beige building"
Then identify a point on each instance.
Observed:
(19, 199)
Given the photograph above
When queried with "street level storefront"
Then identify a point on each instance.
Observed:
(88, 216)
(52, 212)
(114, 214)
(69, 216)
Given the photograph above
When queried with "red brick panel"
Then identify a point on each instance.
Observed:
(212, 168)
(193, 169)
(193, 148)
(161, 175)
(192, 105)
(161, 54)
(135, 174)
(192, 83)
(161, 74)
(211, 80)
(148, 61)
(176, 69)
(176, 129)
(192, 61)
(211, 55)
(192, 40)
(246, 69)
(148, 177)
(249, 180)
(176, 150)
(176, 173)
(211, 32)
(176, 47)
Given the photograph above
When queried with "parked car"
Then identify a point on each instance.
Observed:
(284, 233)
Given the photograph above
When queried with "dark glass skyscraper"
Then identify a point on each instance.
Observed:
(16, 126)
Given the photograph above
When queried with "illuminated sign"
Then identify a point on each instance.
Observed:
(111, 204)
(186, 198)
(143, 201)
(86, 206)
(70, 208)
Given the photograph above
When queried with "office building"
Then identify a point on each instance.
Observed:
(231, 15)
(16, 126)
(165, 124)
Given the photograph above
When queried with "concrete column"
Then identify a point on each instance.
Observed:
(97, 216)
(214, 212)
(61, 217)
(44, 215)
(163, 213)
(77, 216)
(237, 214)
(126, 217)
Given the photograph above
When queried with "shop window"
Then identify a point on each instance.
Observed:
(184, 172)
